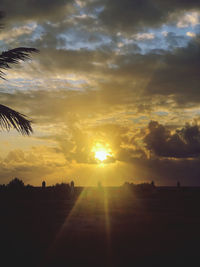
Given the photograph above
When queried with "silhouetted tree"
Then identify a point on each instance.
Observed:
(8, 117)
(16, 184)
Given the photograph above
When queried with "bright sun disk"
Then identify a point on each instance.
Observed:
(101, 155)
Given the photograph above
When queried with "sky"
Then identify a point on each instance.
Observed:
(115, 76)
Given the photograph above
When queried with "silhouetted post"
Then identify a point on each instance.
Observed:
(43, 185)
(72, 188)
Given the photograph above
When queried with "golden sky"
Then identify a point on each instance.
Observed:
(119, 79)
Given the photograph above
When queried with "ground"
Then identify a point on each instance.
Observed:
(111, 227)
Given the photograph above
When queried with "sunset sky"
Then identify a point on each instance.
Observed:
(121, 77)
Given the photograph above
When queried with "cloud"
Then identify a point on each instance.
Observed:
(17, 32)
(189, 19)
(30, 167)
(140, 83)
(176, 75)
(106, 16)
(184, 143)
(78, 143)
(136, 15)
(102, 73)
(157, 74)
(191, 34)
(39, 10)
(144, 36)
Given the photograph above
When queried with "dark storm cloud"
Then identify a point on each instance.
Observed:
(178, 74)
(129, 15)
(184, 143)
(101, 15)
(34, 9)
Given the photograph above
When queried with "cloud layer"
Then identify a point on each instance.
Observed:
(122, 74)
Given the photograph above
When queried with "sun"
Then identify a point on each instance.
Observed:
(101, 155)
(101, 152)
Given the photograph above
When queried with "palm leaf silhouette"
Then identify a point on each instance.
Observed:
(10, 118)
(13, 56)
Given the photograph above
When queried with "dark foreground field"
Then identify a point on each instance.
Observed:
(107, 227)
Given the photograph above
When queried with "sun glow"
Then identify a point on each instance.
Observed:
(101, 153)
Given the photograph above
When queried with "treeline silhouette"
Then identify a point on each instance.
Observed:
(17, 189)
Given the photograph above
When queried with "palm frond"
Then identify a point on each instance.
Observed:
(13, 56)
(10, 118)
